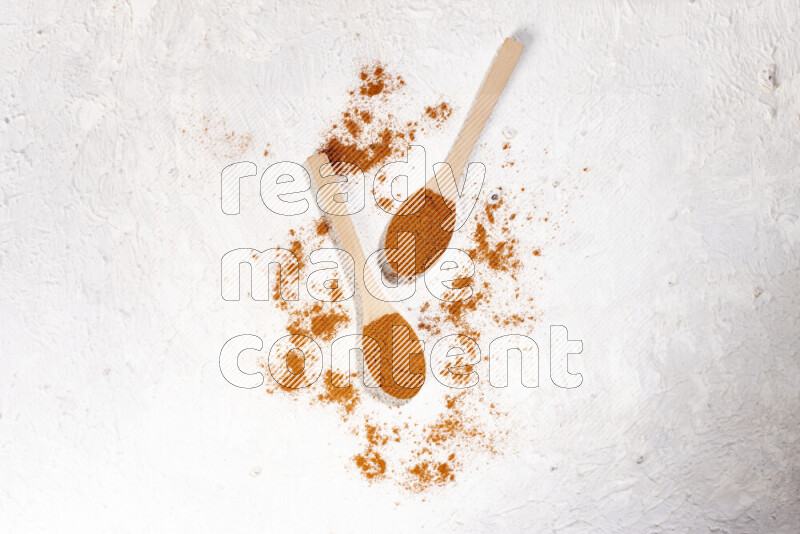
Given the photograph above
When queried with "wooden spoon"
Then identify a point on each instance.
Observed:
(393, 356)
(431, 216)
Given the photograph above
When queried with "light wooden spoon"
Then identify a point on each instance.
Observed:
(395, 359)
(431, 216)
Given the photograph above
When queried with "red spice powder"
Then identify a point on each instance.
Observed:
(347, 397)
(498, 255)
(435, 461)
(296, 362)
(375, 81)
(216, 138)
(401, 371)
(366, 134)
(289, 365)
(440, 113)
(433, 458)
(321, 321)
(456, 310)
(322, 227)
(459, 369)
(371, 464)
(432, 225)
(426, 474)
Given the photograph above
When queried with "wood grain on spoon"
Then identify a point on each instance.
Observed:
(429, 215)
(393, 356)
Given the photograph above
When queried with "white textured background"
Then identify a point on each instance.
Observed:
(678, 268)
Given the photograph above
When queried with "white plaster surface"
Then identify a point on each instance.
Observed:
(676, 262)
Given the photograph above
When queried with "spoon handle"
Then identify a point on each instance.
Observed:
(490, 91)
(326, 189)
